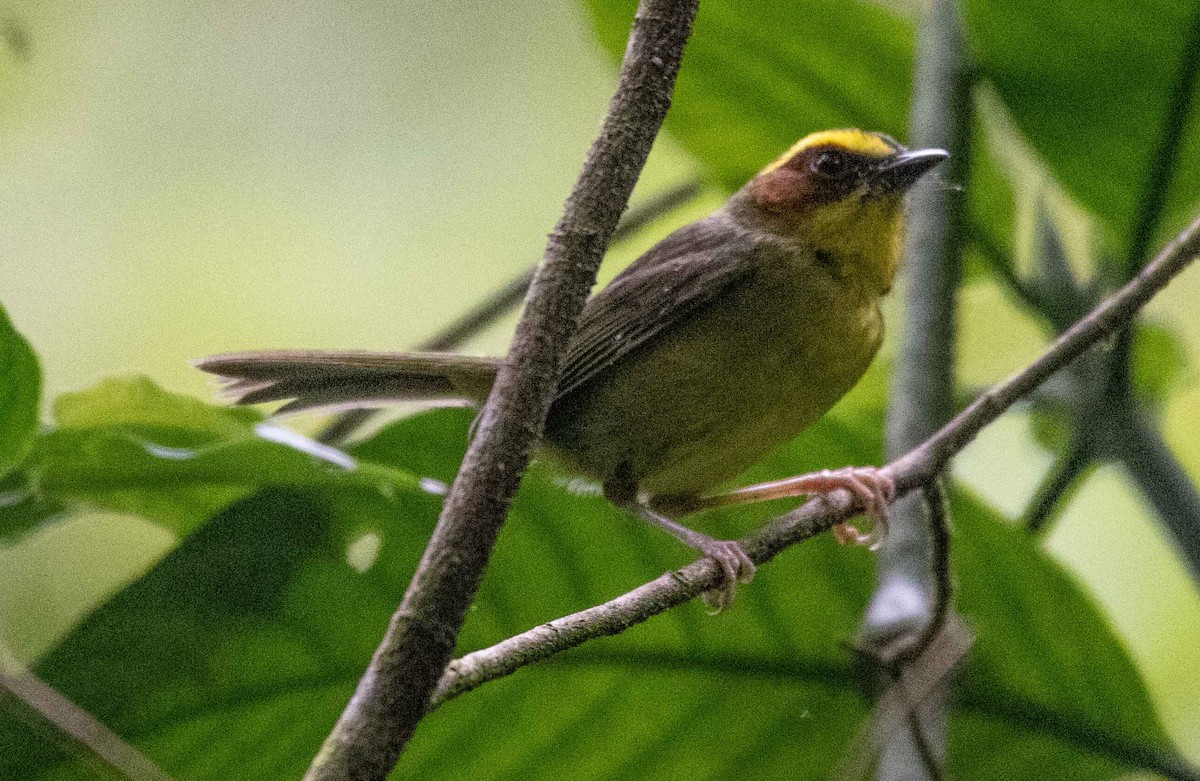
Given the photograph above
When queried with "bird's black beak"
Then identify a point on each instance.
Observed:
(900, 172)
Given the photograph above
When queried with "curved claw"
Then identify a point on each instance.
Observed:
(736, 566)
(875, 490)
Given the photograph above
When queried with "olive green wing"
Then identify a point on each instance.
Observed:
(693, 265)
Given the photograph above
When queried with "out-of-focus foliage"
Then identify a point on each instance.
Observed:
(758, 76)
(1092, 87)
(128, 446)
(254, 631)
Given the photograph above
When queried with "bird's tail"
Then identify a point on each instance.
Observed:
(308, 379)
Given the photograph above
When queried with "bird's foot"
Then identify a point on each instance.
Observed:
(872, 488)
(736, 565)
(875, 490)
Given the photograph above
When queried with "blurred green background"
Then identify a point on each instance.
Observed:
(178, 179)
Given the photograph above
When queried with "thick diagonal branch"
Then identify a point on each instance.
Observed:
(393, 694)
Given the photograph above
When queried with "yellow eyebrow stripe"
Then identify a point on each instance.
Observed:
(852, 140)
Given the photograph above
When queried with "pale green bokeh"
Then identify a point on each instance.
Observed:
(181, 179)
(53, 578)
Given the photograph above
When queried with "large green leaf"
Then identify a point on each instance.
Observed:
(232, 659)
(20, 393)
(1091, 84)
(758, 75)
(129, 446)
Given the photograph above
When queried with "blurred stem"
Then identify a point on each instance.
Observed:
(923, 387)
(1037, 719)
(1002, 266)
(1162, 480)
(1063, 299)
(1165, 159)
(81, 731)
(1058, 483)
(1163, 163)
(509, 296)
(904, 608)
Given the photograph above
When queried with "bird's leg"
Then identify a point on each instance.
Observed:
(872, 487)
(728, 554)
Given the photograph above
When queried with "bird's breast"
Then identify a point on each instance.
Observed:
(711, 395)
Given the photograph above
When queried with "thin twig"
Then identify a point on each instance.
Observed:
(905, 736)
(1062, 301)
(501, 301)
(634, 607)
(1138, 446)
(911, 471)
(1118, 309)
(938, 505)
(393, 694)
(926, 719)
(1002, 266)
(84, 729)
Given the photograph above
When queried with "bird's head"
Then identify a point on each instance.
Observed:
(842, 192)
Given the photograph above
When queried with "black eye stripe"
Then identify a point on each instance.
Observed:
(838, 164)
(830, 163)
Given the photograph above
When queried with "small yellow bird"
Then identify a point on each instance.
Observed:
(725, 340)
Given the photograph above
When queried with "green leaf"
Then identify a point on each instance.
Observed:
(20, 393)
(1159, 359)
(1091, 86)
(129, 446)
(1046, 667)
(21, 509)
(138, 401)
(754, 80)
(233, 658)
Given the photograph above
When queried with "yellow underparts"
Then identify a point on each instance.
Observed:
(862, 236)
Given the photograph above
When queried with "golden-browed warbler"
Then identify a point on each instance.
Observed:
(725, 340)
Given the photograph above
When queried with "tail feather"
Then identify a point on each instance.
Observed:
(312, 379)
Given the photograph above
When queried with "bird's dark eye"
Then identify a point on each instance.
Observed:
(830, 165)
